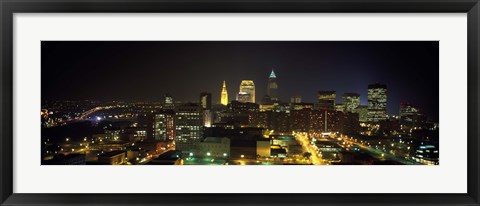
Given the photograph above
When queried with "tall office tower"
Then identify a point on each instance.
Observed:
(326, 100)
(272, 90)
(189, 127)
(206, 103)
(168, 102)
(207, 118)
(224, 94)
(377, 102)
(408, 112)
(407, 109)
(164, 126)
(206, 100)
(350, 102)
(248, 87)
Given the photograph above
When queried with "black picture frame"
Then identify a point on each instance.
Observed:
(9, 7)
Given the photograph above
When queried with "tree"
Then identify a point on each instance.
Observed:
(307, 155)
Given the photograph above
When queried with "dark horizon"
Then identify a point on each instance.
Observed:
(146, 70)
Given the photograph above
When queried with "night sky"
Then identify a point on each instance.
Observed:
(79, 70)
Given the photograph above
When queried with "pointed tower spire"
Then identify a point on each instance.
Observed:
(272, 90)
(272, 75)
(224, 94)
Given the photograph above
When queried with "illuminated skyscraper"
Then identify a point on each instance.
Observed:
(350, 102)
(326, 100)
(224, 94)
(377, 102)
(247, 88)
(272, 90)
(206, 100)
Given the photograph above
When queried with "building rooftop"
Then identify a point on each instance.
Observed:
(351, 94)
(377, 85)
(111, 154)
(272, 75)
(169, 155)
(283, 137)
(213, 139)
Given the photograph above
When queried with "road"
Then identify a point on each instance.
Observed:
(376, 151)
(315, 158)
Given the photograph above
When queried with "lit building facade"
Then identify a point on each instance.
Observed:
(224, 94)
(300, 120)
(326, 100)
(272, 90)
(207, 118)
(339, 107)
(244, 97)
(206, 100)
(189, 127)
(377, 102)
(258, 119)
(350, 102)
(407, 110)
(362, 111)
(168, 102)
(411, 116)
(206, 103)
(239, 107)
(217, 147)
(164, 126)
(296, 99)
(248, 87)
(301, 106)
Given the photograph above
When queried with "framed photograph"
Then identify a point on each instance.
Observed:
(239, 102)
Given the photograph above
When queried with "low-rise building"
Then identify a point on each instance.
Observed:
(112, 158)
(263, 148)
(218, 147)
(171, 157)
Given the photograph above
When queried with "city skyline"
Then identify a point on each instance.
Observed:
(67, 64)
(213, 103)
